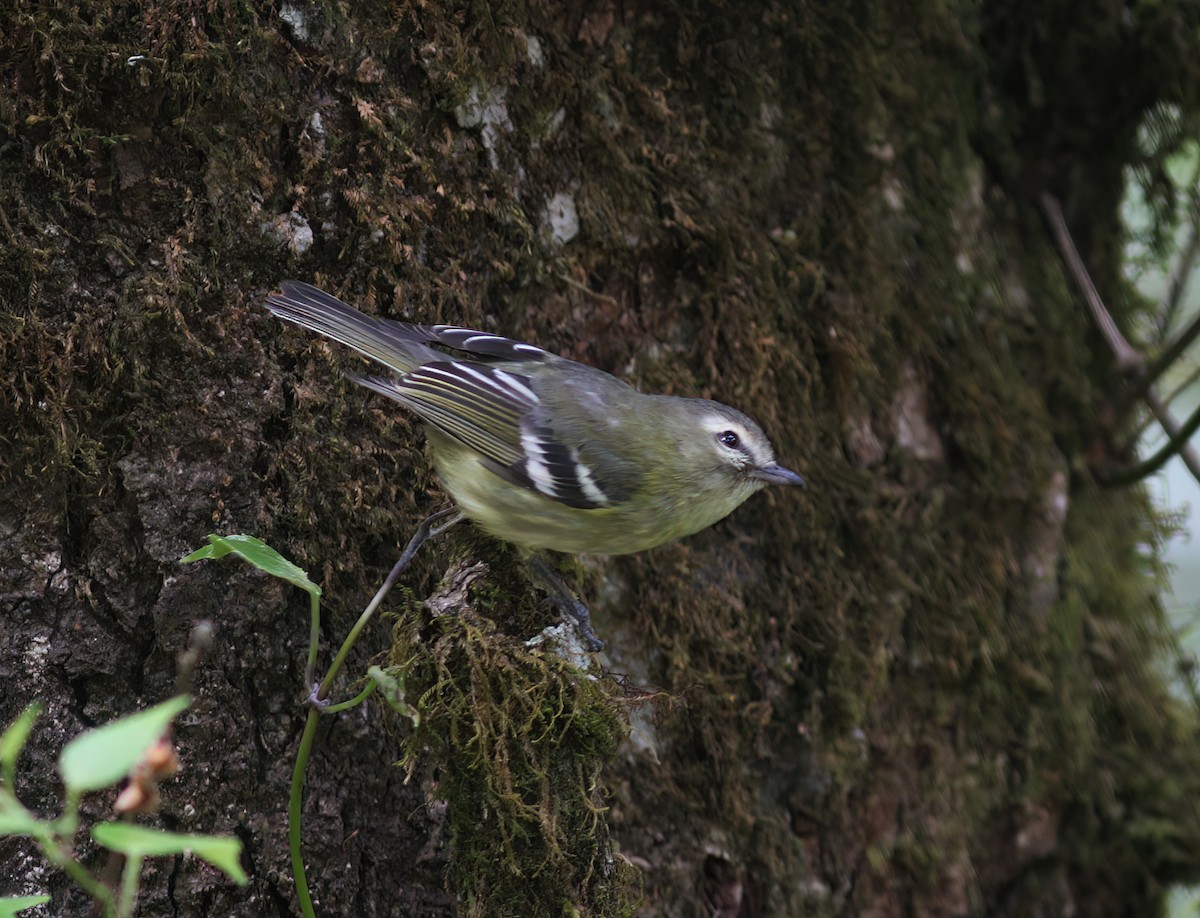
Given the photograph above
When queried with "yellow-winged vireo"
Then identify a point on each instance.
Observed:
(546, 452)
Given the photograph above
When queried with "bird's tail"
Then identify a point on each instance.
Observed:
(398, 345)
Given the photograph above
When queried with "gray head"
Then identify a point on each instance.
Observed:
(734, 445)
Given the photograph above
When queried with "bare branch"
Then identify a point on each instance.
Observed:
(1171, 426)
(1146, 467)
(1127, 358)
(1163, 361)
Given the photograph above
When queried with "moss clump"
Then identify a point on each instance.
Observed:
(513, 740)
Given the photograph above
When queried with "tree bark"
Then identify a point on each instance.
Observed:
(932, 684)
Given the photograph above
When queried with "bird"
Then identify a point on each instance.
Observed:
(545, 452)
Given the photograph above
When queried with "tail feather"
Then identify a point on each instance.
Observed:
(398, 345)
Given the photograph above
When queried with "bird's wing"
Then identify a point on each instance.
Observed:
(480, 405)
(483, 400)
(494, 411)
(482, 344)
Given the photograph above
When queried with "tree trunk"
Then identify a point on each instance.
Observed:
(931, 684)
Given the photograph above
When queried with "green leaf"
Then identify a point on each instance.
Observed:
(104, 756)
(11, 905)
(222, 852)
(12, 741)
(256, 552)
(392, 688)
(16, 820)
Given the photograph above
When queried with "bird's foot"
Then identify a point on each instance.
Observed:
(568, 604)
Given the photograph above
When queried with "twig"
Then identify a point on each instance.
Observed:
(1127, 357)
(1149, 466)
(319, 704)
(426, 531)
(1187, 382)
(584, 288)
(1173, 351)
(1171, 426)
(1170, 306)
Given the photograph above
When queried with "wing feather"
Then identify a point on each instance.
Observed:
(483, 344)
(467, 402)
(483, 400)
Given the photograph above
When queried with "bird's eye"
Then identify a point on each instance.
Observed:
(730, 439)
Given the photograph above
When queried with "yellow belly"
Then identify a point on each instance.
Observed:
(532, 520)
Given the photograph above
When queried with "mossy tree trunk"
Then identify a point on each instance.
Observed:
(931, 684)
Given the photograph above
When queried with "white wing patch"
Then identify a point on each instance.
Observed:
(535, 463)
(587, 484)
(557, 471)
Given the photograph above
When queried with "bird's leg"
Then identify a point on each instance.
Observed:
(566, 601)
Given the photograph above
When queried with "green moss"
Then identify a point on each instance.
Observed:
(514, 739)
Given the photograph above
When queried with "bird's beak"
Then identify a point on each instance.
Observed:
(777, 474)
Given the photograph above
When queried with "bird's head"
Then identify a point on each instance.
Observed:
(733, 449)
